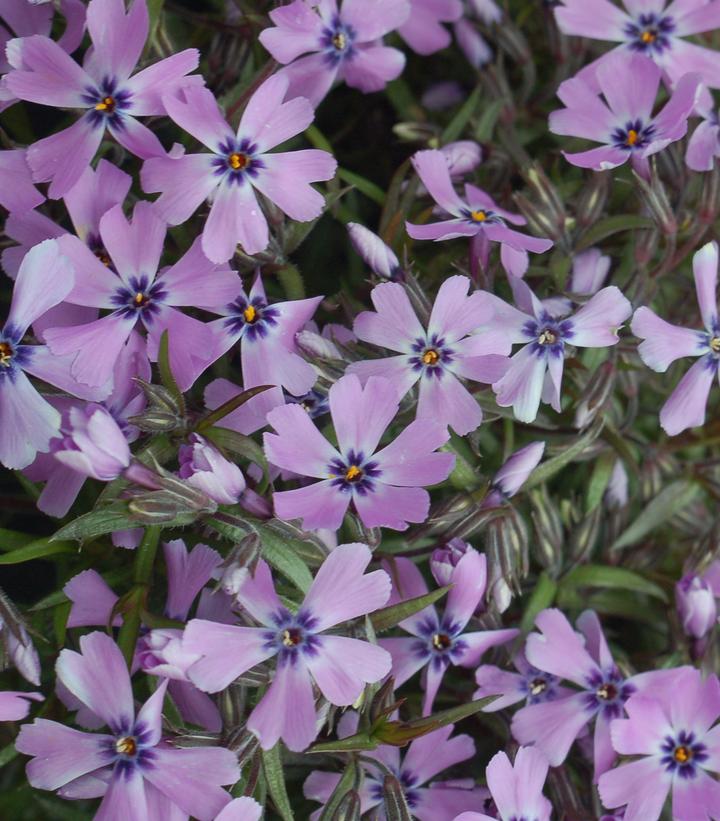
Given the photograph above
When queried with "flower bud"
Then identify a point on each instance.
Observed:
(506, 543)
(161, 653)
(238, 566)
(487, 10)
(654, 195)
(589, 271)
(596, 395)
(472, 44)
(349, 809)
(696, 606)
(593, 198)
(548, 530)
(513, 474)
(378, 256)
(204, 467)
(462, 156)
(584, 536)
(94, 444)
(444, 560)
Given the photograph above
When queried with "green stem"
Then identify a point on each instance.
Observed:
(142, 574)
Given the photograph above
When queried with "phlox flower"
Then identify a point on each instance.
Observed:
(678, 743)
(104, 89)
(450, 349)
(664, 343)
(383, 485)
(425, 758)
(15, 643)
(624, 120)
(528, 684)
(536, 370)
(341, 42)
(241, 809)
(238, 165)
(704, 144)
(133, 288)
(340, 666)
(29, 421)
(438, 642)
(17, 192)
(14, 706)
(378, 256)
(477, 217)
(423, 30)
(585, 660)
(204, 467)
(696, 605)
(137, 775)
(513, 474)
(652, 28)
(516, 788)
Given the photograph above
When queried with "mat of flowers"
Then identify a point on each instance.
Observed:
(358, 416)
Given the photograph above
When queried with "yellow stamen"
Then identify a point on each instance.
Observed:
(291, 638)
(682, 754)
(250, 314)
(607, 692)
(238, 161)
(715, 344)
(126, 746)
(339, 41)
(430, 357)
(538, 686)
(547, 337)
(478, 216)
(632, 137)
(648, 36)
(139, 298)
(6, 353)
(440, 641)
(106, 104)
(353, 473)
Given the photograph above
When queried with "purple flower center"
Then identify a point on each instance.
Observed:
(131, 748)
(237, 160)
(633, 136)
(608, 692)
(252, 319)
(140, 298)
(430, 356)
(482, 216)
(108, 103)
(681, 754)
(549, 334)
(650, 34)
(539, 686)
(440, 643)
(354, 473)
(13, 355)
(337, 41)
(293, 635)
(313, 403)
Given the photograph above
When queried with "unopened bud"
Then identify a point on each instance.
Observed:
(444, 560)
(396, 807)
(159, 397)
(654, 195)
(349, 808)
(506, 544)
(162, 506)
(240, 564)
(593, 198)
(710, 196)
(596, 395)
(548, 530)
(540, 219)
(384, 702)
(154, 421)
(584, 536)
(472, 44)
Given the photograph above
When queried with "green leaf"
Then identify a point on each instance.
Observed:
(38, 549)
(592, 575)
(7, 754)
(275, 779)
(228, 407)
(400, 733)
(13, 539)
(372, 192)
(358, 743)
(346, 783)
(552, 466)
(665, 505)
(599, 480)
(276, 551)
(388, 617)
(456, 126)
(488, 120)
(110, 518)
(612, 225)
(166, 374)
(291, 280)
(542, 596)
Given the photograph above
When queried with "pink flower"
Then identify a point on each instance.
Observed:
(204, 467)
(383, 485)
(239, 164)
(94, 444)
(340, 666)
(15, 706)
(423, 30)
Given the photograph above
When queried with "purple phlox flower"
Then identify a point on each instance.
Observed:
(423, 30)
(516, 788)
(139, 293)
(672, 731)
(425, 758)
(443, 560)
(249, 417)
(487, 10)
(513, 474)
(62, 481)
(160, 652)
(696, 606)
(536, 370)
(266, 334)
(17, 192)
(584, 660)
(449, 349)
(339, 43)
(29, 421)
(704, 144)
(385, 486)
(241, 809)
(204, 467)
(624, 120)
(651, 28)
(16, 644)
(340, 666)
(463, 156)
(472, 44)
(477, 217)
(529, 684)
(663, 343)
(130, 765)
(103, 89)
(589, 270)
(95, 193)
(378, 256)
(21, 18)
(438, 642)
(240, 164)
(14, 706)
